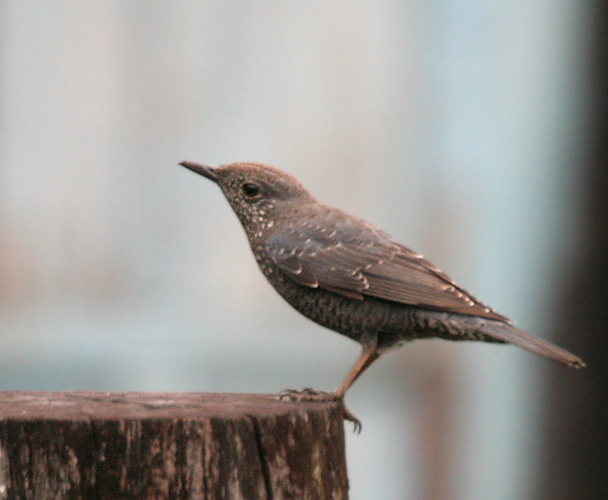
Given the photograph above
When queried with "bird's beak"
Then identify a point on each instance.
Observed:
(199, 168)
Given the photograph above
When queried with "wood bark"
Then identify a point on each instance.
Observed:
(102, 446)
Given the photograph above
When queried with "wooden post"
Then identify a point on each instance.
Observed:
(102, 446)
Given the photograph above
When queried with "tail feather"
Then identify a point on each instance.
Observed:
(507, 333)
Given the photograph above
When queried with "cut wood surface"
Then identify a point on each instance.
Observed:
(96, 445)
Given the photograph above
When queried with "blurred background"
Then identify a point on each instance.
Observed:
(473, 132)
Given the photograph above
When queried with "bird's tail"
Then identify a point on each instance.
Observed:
(504, 332)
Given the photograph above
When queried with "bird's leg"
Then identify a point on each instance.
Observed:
(369, 354)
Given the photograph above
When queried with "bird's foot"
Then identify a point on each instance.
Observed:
(307, 394)
(348, 415)
(310, 394)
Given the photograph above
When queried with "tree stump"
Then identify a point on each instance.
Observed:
(96, 445)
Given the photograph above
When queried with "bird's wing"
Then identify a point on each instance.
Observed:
(353, 258)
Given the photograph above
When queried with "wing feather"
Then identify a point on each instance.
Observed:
(351, 257)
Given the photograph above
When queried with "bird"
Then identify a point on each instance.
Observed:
(351, 277)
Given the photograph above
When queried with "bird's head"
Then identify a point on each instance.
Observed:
(260, 195)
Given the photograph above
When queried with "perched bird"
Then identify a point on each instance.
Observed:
(351, 277)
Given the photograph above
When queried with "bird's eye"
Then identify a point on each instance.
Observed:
(251, 190)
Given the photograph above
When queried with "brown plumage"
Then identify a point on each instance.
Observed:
(350, 276)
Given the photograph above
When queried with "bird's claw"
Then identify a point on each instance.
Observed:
(307, 394)
(310, 394)
(347, 415)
